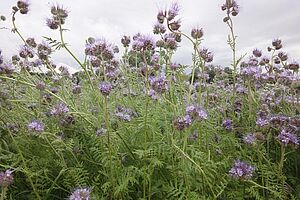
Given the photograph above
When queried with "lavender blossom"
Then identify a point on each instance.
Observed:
(285, 137)
(159, 84)
(173, 11)
(81, 194)
(249, 139)
(44, 50)
(262, 122)
(241, 170)
(227, 124)
(183, 122)
(143, 43)
(159, 29)
(59, 109)
(105, 88)
(125, 114)
(36, 126)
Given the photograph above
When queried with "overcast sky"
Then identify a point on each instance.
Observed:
(259, 22)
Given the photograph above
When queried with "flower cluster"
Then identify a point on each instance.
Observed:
(125, 114)
(59, 15)
(183, 122)
(196, 112)
(288, 138)
(99, 50)
(22, 6)
(143, 43)
(159, 84)
(105, 88)
(231, 7)
(43, 51)
(227, 124)
(59, 109)
(36, 126)
(241, 170)
(81, 194)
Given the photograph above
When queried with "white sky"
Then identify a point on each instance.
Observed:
(259, 22)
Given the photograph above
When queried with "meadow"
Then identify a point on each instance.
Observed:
(141, 126)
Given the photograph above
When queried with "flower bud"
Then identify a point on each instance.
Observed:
(197, 33)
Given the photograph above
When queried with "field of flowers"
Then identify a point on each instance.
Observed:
(138, 126)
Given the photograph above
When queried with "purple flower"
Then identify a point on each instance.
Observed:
(100, 49)
(143, 42)
(26, 52)
(59, 109)
(262, 122)
(286, 137)
(227, 124)
(159, 84)
(76, 89)
(251, 72)
(241, 170)
(257, 53)
(36, 126)
(81, 194)
(159, 29)
(52, 23)
(183, 122)
(44, 50)
(249, 139)
(105, 88)
(202, 114)
(6, 68)
(6, 178)
(173, 11)
(125, 114)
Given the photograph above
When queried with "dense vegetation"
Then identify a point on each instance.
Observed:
(141, 127)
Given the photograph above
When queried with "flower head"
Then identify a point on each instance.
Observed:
(241, 170)
(159, 84)
(23, 6)
(59, 109)
(183, 122)
(173, 11)
(81, 194)
(285, 137)
(36, 126)
(105, 88)
(143, 43)
(227, 124)
(249, 139)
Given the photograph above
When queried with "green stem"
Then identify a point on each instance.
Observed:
(25, 166)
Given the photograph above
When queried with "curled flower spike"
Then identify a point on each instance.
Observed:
(249, 139)
(173, 11)
(241, 170)
(227, 124)
(288, 138)
(197, 33)
(125, 41)
(143, 43)
(183, 122)
(105, 88)
(59, 109)
(23, 6)
(36, 126)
